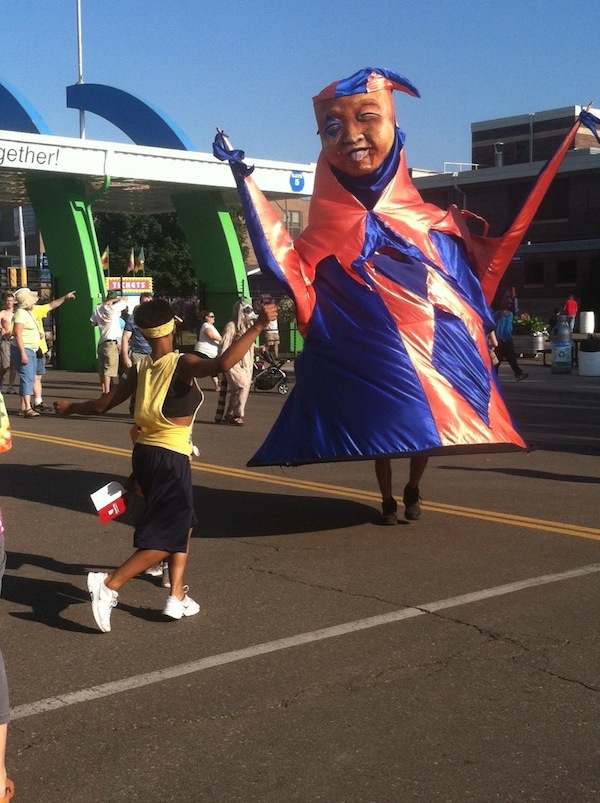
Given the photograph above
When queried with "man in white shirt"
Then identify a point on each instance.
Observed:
(106, 317)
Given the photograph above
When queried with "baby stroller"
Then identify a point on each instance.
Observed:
(267, 374)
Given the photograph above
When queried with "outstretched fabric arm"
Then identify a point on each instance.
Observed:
(492, 255)
(272, 244)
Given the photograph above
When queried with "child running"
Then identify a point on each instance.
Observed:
(167, 399)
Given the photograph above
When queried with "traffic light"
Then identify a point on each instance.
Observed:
(23, 272)
(12, 278)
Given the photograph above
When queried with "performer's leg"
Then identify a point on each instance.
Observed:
(383, 472)
(411, 497)
(417, 469)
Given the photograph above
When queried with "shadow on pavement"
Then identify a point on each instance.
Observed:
(221, 513)
(248, 514)
(47, 600)
(54, 484)
(528, 473)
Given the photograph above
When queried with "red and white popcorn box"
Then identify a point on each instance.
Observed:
(109, 501)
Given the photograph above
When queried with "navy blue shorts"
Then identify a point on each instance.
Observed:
(165, 478)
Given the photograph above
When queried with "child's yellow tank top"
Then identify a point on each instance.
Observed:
(154, 380)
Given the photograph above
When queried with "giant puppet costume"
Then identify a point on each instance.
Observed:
(392, 297)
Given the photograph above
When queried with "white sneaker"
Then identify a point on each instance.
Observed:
(176, 608)
(156, 570)
(165, 582)
(104, 599)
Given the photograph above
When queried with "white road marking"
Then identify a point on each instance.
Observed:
(137, 681)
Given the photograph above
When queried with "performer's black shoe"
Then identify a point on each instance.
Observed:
(412, 506)
(388, 511)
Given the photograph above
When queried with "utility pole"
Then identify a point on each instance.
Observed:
(80, 67)
(22, 251)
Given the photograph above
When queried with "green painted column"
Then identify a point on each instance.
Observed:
(65, 220)
(214, 248)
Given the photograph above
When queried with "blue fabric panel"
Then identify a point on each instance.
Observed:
(356, 84)
(357, 395)
(457, 359)
(460, 277)
(409, 273)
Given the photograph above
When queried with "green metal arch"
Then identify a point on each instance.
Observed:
(214, 248)
(65, 219)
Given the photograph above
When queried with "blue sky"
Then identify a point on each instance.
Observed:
(252, 68)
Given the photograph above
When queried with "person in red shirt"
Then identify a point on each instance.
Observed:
(570, 310)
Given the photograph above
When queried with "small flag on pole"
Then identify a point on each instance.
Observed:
(140, 261)
(131, 267)
(105, 260)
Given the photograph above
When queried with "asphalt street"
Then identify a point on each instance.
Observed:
(452, 659)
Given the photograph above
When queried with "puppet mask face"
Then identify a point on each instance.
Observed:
(357, 132)
(249, 313)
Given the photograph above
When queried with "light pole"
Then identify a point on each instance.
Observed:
(80, 67)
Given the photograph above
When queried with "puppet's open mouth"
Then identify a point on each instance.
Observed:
(359, 155)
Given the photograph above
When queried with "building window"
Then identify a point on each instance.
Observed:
(522, 149)
(534, 273)
(293, 223)
(555, 205)
(554, 208)
(566, 271)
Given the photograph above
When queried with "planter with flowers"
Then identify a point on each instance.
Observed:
(529, 334)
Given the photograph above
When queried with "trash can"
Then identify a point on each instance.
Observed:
(586, 322)
(589, 357)
(562, 346)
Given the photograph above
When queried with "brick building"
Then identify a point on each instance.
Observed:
(560, 253)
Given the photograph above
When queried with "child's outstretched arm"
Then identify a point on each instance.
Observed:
(106, 402)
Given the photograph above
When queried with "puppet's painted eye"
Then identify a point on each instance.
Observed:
(332, 127)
